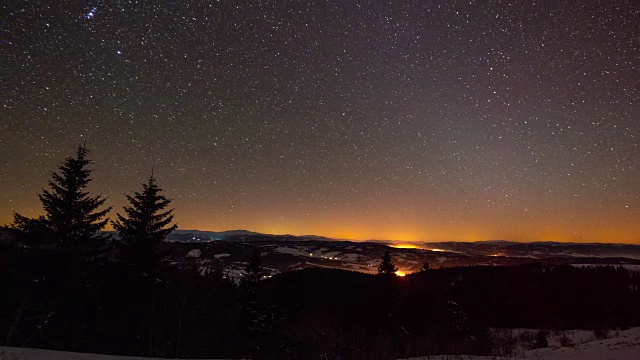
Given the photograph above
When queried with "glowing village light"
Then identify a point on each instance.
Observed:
(405, 246)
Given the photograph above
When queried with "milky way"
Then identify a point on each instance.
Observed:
(425, 121)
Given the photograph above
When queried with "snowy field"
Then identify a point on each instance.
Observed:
(621, 345)
(635, 268)
(9, 353)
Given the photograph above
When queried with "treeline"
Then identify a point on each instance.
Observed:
(106, 307)
(548, 297)
(67, 287)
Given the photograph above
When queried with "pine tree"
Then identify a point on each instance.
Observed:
(30, 230)
(387, 267)
(253, 271)
(144, 226)
(71, 215)
(425, 265)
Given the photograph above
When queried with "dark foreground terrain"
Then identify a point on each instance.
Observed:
(83, 300)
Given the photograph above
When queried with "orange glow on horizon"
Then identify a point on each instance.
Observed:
(401, 273)
(598, 237)
(587, 227)
(405, 246)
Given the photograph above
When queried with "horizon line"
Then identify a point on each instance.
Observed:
(418, 241)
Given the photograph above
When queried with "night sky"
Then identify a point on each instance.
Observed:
(426, 121)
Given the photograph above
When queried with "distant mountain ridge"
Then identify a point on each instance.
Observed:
(235, 235)
(492, 248)
(241, 232)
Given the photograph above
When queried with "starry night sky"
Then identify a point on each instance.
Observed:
(413, 121)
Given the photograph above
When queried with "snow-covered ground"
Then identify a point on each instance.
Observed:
(635, 268)
(9, 353)
(621, 345)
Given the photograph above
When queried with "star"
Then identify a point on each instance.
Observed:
(92, 13)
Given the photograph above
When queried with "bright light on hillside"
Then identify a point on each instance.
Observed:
(405, 246)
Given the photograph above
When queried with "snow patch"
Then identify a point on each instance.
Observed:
(621, 345)
(629, 267)
(194, 253)
(351, 257)
(301, 251)
(13, 353)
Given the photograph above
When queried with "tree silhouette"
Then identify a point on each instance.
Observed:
(144, 225)
(71, 215)
(387, 267)
(28, 229)
(425, 265)
(253, 271)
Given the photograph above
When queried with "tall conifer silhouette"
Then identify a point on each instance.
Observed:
(71, 215)
(144, 225)
(253, 270)
(387, 267)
